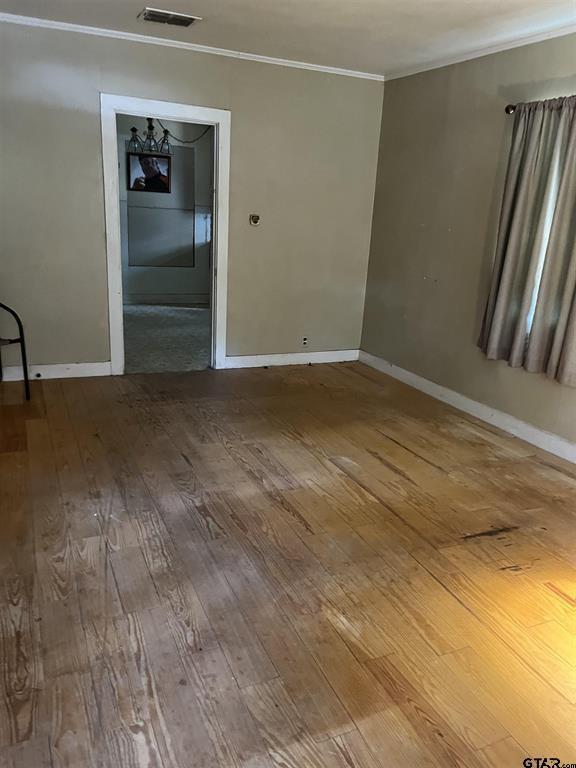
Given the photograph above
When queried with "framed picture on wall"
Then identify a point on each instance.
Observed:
(147, 172)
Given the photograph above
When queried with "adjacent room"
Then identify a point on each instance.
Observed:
(165, 193)
(288, 384)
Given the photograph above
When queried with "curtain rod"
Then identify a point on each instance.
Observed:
(511, 108)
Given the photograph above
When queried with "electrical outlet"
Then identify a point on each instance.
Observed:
(304, 341)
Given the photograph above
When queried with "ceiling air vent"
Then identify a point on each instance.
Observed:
(168, 17)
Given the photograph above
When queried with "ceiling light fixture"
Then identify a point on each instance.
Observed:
(135, 143)
(150, 143)
(165, 146)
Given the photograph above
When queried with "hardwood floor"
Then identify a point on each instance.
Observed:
(311, 567)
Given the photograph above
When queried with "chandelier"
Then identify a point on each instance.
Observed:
(150, 143)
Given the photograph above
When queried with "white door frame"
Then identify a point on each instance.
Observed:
(111, 106)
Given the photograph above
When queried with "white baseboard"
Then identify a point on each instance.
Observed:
(291, 358)
(82, 370)
(555, 444)
(58, 371)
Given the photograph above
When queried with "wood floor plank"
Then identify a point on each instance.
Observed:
(34, 752)
(283, 731)
(228, 709)
(507, 687)
(71, 720)
(72, 478)
(125, 700)
(447, 693)
(21, 668)
(384, 727)
(244, 651)
(501, 753)
(176, 718)
(64, 652)
(323, 712)
(501, 609)
(432, 728)
(136, 589)
(354, 750)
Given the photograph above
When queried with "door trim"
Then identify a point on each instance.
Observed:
(112, 105)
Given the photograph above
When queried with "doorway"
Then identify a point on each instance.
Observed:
(166, 183)
(167, 242)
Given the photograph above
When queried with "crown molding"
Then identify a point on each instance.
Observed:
(31, 21)
(478, 53)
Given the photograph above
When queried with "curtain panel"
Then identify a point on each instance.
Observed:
(530, 317)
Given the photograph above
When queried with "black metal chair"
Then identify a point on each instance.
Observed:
(18, 340)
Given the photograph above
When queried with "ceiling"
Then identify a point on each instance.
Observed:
(386, 37)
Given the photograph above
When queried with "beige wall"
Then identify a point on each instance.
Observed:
(442, 162)
(304, 149)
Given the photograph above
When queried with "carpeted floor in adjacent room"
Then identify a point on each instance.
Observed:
(160, 339)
